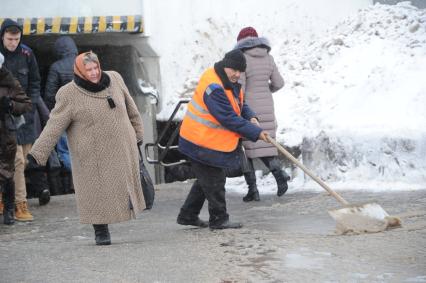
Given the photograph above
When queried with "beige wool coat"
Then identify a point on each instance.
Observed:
(103, 147)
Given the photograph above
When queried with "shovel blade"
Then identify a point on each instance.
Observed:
(366, 218)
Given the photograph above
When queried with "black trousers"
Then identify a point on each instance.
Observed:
(8, 196)
(210, 185)
(273, 164)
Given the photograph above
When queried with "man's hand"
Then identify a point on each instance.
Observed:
(263, 135)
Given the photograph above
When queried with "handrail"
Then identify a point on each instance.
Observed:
(165, 148)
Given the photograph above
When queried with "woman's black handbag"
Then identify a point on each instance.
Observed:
(146, 182)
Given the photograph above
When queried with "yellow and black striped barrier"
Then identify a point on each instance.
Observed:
(80, 25)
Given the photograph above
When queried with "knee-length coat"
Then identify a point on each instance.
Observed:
(259, 81)
(103, 146)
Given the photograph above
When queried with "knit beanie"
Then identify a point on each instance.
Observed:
(235, 60)
(1, 60)
(247, 32)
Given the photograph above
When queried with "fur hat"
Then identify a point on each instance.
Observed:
(235, 60)
(247, 32)
(1, 60)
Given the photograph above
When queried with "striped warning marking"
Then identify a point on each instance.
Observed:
(77, 25)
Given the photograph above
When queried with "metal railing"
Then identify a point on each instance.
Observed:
(162, 149)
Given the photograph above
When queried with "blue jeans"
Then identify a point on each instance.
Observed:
(63, 152)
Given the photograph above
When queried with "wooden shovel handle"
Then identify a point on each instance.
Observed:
(307, 171)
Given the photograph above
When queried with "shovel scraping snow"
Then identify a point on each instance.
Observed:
(365, 218)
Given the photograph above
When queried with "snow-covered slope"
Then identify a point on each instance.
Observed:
(355, 94)
(355, 99)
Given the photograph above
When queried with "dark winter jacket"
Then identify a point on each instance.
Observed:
(23, 65)
(10, 87)
(61, 72)
(219, 106)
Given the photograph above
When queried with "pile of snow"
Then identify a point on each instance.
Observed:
(353, 102)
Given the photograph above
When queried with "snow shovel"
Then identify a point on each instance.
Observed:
(365, 218)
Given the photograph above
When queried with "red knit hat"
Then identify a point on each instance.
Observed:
(247, 32)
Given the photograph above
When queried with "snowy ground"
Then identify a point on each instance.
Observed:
(354, 98)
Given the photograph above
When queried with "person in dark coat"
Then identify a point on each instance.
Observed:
(21, 62)
(216, 119)
(38, 184)
(13, 103)
(259, 81)
(61, 72)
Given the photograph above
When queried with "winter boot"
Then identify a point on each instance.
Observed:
(38, 179)
(22, 213)
(8, 198)
(281, 177)
(252, 194)
(102, 236)
(44, 197)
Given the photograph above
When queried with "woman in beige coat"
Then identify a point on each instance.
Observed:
(104, 129)
(259, 81)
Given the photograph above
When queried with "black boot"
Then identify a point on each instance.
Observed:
(102, 236)
(38, 180)
(253, 193)
(281, 177)
(9, 203)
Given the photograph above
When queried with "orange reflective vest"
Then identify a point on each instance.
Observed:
(200, 127)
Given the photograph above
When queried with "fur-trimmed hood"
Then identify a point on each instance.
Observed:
(250, 42)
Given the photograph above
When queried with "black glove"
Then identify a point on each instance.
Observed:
(5, 104)
(32, 164)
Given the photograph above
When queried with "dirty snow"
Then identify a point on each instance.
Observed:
(353, 102)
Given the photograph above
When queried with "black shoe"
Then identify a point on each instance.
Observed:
(102, 235)
(226, 225)
(44, 197)
(252, 195)
(197, 222)
(8, 216)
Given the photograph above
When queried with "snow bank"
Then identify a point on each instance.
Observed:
(355, 94)
(355, 102)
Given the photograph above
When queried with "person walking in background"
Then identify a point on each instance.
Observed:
(104, 128)
(13, 103)
(60, 73)
(216, 118)
(259, 81)
(37, 180)
(21, 62)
